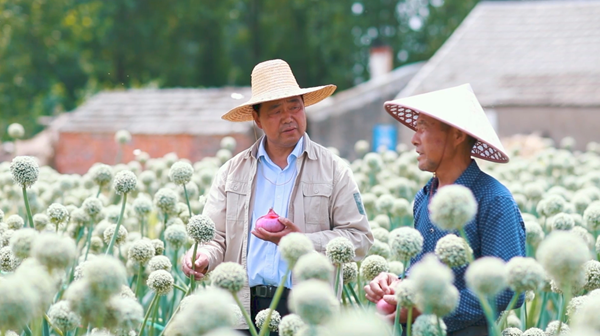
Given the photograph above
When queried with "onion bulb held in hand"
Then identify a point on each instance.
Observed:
(385, 308)
(270, 222)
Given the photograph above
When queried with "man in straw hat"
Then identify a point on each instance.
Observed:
(451, 127)
(311, 190)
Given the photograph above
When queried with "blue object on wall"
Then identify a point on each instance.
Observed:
(385, 135)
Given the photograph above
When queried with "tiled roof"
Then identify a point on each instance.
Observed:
(530, 53)
(160, 111)
(356, 98)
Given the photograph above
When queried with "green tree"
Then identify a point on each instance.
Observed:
(55, 54)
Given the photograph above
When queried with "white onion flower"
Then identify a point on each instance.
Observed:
(290, 325)
(101, 174)
(431, 281)
(25, 170)
(161, 282)
(340, 250)
(380, 249)
(293, 246)
(562, 221)
(562, 254)
(229, 276)
(349, 272)
(125, 182)
(181, 173)
(159, 262)
(16, 131)
(176, 235)
(453, 251)
(54, 251)
(261, 318)
(452, 207)
(534, 233)
(141, 251)
(525, 274)
(487, 276)
(21, 242)
(203, 313)
(62, 317)
(381, 234)
(534, 332)
(427, 325)
(105, 275)
(552, 329)
(405, 293)
(512, 332)
(313, 266)
(201, 228)
(551, 205)
(591, 271)
(405, 243)
(110, 231)
(357, 322)
(372, 266)
(591, 216)
(166, 200)
(57, 213)
(314, 301)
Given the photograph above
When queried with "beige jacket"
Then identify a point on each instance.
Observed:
(325, 203)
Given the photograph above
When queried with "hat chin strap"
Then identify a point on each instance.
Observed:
(443, 153)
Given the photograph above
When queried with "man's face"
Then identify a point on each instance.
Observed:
(429, 140)
(283, 121)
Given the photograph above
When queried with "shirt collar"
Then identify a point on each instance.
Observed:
(467, 178)
(295, 153)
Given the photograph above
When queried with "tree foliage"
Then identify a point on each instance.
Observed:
(56, 53)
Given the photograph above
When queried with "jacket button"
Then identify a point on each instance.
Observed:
(316, 190)
(235, 187)
(431, 230)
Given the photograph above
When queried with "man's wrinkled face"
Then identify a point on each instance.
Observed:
(429, 140)
(283, 121)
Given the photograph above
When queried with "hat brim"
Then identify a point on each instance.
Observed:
(311, 95)
(408, 116)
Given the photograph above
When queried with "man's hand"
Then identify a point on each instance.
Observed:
(201, 264)
(380, 286)
(403, 318)
(275, 237)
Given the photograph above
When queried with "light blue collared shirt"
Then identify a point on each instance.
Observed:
(273, 190)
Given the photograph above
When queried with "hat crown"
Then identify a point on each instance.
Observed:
(271, 76)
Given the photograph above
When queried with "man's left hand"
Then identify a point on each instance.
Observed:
(275, 237)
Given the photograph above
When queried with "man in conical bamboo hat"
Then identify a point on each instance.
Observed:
(450, 129)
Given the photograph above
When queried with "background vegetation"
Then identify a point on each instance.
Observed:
(54, 54)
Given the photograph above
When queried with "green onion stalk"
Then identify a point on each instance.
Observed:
(511, 304)
(249, 322)
(187, 199)
(350, 289)
(154, 300)
(398, 306)
(274, 303)
(542, 309)
(114, 237)
(489, 315)
(463, 234)
(337, 278)
(563, 309)
(29, 217)
(192, 276)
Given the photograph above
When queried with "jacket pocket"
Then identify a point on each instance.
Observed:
(316, 205)
(236, 192)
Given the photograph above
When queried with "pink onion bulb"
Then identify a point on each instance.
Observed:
(270, 222)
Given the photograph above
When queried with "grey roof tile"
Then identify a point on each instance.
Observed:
(530, 53)
(159, 111)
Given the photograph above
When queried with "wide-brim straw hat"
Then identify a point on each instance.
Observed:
(272, 80)
(457, 107)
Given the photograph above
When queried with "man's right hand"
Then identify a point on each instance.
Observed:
(201, 264)
(380, 286)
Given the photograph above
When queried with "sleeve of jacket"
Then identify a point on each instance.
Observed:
(215, 208)
(347, 215)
